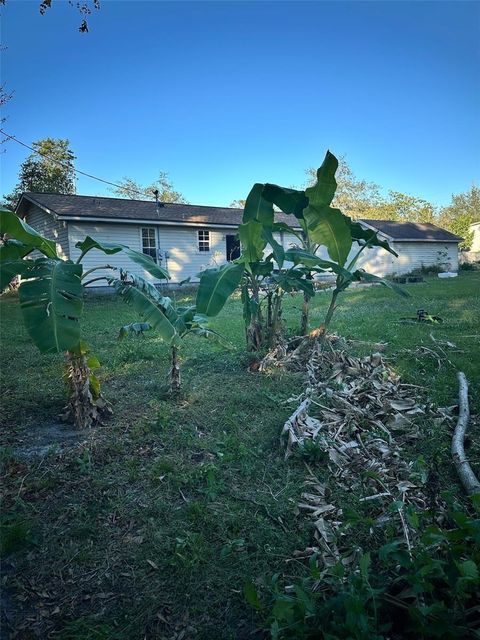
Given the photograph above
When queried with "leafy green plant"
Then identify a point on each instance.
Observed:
(325, 226)
(270, 272)
(469, 266)
(51, 300)
(430, 590)
(171, 322)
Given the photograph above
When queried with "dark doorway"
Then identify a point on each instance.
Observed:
(233, 247)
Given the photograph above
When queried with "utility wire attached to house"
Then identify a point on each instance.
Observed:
(68, 166)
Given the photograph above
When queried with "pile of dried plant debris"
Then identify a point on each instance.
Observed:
(357, 413)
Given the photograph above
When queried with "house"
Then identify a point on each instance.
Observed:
(185, 238)
(475, 229)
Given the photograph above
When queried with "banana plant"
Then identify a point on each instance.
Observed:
(172, 322)
(318, 224)
(315, 224)
(258, 272)
(51, 301)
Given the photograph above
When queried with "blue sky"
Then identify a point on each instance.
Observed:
(224, 94)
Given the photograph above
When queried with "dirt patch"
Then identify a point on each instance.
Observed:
(45, 439)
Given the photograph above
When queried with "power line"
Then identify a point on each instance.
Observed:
(69, 166)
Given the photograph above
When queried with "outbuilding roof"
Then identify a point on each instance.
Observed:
(416, 231)
(99, 208)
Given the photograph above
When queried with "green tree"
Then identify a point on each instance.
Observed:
(404, 208)
(460, 213)
(130, 188)
(355, 197)
(238, 204)
(50, 168)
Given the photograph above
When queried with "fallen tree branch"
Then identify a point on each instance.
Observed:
(464, 470)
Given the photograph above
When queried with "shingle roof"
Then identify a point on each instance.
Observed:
(413, 231)
(120, 208)
(76, 206)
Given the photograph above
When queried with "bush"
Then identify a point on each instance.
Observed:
(430, 591)
(428, 270)
(469, 266)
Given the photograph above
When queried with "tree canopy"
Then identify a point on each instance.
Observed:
(404, 208)
(130, 188)
(463, 210)
(50, 169)
(362, 199)
(238, 204)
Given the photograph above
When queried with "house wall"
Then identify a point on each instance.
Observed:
(178, 247)
(412, 255)
(375, 260)
(52, 229)
(475, 228)
(184, 260)
(468, 257)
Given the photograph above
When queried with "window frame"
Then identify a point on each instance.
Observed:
(203, 243)
(152, 234)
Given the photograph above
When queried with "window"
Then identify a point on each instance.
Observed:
(203, 240)
(232, 247)
(149, 244)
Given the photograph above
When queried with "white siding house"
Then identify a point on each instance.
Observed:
(475, 229)
(186, 239)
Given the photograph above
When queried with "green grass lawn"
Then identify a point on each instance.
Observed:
(149, 526)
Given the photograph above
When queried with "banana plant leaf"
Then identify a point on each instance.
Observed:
(163, 302)
(370, 237)
(147, 307)
(139, 258)
(9, 270)
(283, 226)
(263, 268)
(363, 276)
(13, 250)
(277, 248)
(294, 280)
(186, 316)
(328, 226)
(51, 303)
(252, 241)
(135, 328)
(16, 228)
(216, 286)
(322, 192)
(210, 334)
(288, 200)
(300, 256)
(257, 208)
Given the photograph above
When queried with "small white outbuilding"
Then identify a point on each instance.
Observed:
(187, 238)
(475, 229)
(418, 245)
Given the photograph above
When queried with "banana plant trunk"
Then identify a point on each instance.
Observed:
(331, 309)
(305, 314)
(175, 380)
(83, 408)
(254, 334)
(305, 310)
(274, 326)
(255, 330)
